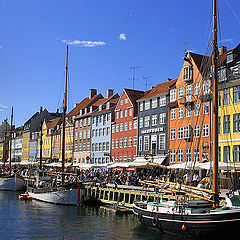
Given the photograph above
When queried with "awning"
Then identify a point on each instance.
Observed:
(221, 166)
(140, 162)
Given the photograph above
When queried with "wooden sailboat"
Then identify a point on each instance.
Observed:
(67, 194)
(11, 182)
(194, 217)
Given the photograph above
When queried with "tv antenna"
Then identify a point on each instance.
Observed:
(145, 78)
(134, 74)
(185, 48)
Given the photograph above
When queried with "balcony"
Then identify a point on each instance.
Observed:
(186, 100)
(206, 97)
(173, 104)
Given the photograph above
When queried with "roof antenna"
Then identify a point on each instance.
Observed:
(134, 74)
(146, 79)
(185, 48)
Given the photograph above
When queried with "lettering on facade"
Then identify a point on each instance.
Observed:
(153, 130)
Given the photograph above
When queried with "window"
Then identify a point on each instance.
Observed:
(121, 114)
(188, 111)
(173, 95)
(126, 113)
(162, 101)
(117, 128)
(89, 121)
(125, 142)
(130, 111)
(188, 93)
(140, 144)
(172, 155)
(113, 143)
(130, 126)
(226, 97)
(196, 88)
(205, 107)
(130, 141)
(173, 134)
(147, 121)
(180, 112)
(197, 131)
(219, 125)
(135, 124)
(147, 104)
(180, 93)
(116, 143)
(181, 133)
(141, 122)
(226, 153)
(206, 86)
(219, 98)
(134, 141)
(236, 153)
(121, 102)
(113, 128)
(107, 146)
(108, 130)
(173, 113)
(162, 117)
(162, 141)
(188, 154)
(117, 114)
(154, 102)
(125, 126)
(126, 100)
(222, 74)
(180, 155)
(196, 109)
(121, 127)
(141, 106)
(236, 94)
(88, 134)
(154, 120)
(236, 123)
(196, 155)
(226, 124)
(146, 143)
(121, 143)
(187, 73)
(188, 131)
(205, 130)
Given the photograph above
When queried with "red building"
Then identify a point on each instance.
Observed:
(124, 129)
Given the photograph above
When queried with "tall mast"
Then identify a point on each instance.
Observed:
(64, 120)
(215, 107)
(10, 148)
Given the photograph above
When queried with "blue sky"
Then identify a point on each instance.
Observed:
(106, 38)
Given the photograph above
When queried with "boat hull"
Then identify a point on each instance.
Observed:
(13, 183)
(226, 221)
(63, 197)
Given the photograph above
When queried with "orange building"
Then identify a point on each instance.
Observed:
(189, 112)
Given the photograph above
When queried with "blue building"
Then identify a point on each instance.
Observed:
(102, 118)
(153, 123)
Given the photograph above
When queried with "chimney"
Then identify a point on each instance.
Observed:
(222, 50)
(57, 110)
(169, 79)
(40, 109)
(92, 92)
(109, 93)
(152, 87)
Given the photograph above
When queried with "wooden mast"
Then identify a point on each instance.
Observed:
(64, 118)
(215, 108)
(10, 147)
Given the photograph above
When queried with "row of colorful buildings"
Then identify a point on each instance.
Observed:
(169, 123)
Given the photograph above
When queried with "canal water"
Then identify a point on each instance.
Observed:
(37, 220)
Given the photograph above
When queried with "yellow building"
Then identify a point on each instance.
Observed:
(25, 146)
(69, 135)
(229, 107)
(1, 150)
(46, 141)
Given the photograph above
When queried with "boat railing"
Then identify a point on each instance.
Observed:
(142, 205)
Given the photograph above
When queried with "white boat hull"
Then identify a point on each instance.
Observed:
(13, 183)
(64, 197)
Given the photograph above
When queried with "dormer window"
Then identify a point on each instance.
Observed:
(100, 107)
(85, 111)
(187, 73)
(80, 113)
(222, 74)
(91, 109)
(230, 57)
(108, 105)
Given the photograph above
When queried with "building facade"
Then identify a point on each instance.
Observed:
(124, 128)
(229, 105)
(189, 112)
(102, 118)
(153, 123)
(16, 146)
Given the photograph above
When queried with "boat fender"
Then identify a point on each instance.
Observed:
(139, 217)
(155, 222)
(184, 227)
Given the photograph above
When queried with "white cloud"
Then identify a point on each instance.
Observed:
(3, 106)
(81, 43)
(123, 36)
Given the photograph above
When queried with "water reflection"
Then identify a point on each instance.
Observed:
(37, 220)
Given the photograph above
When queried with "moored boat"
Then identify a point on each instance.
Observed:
(12, 183)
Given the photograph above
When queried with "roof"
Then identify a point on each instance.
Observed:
(202, 62)
(134, 95)
(83, 104)
(53, 123)
(159, 89)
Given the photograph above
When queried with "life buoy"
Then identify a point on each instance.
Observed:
(155, 222)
